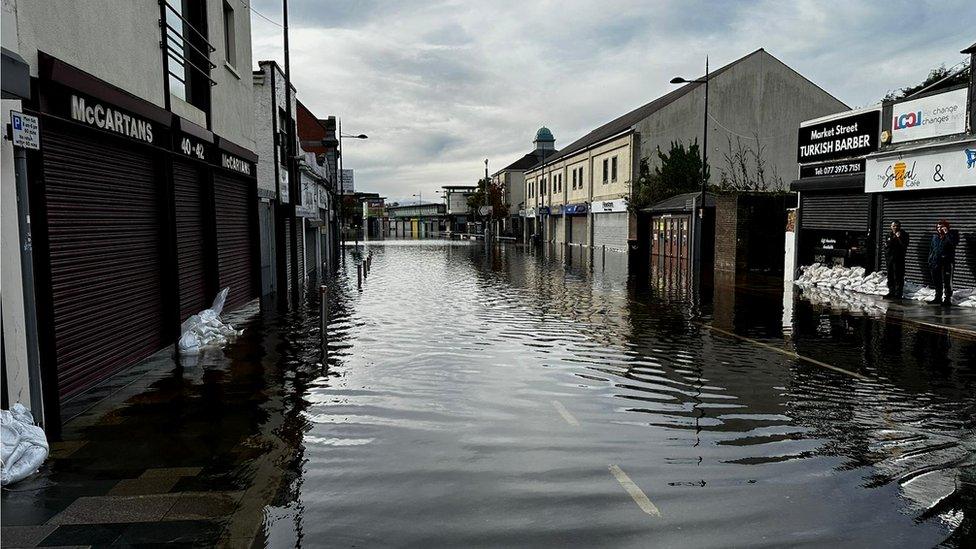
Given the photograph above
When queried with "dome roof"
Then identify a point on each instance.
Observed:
(544, 134)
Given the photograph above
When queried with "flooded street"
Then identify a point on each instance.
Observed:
(512, 398)
(475, 399)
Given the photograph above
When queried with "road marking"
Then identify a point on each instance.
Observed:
(640, 498)
(788, 353)
(565, 413)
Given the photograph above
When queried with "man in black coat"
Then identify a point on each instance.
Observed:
(942, 260)
(895, 248)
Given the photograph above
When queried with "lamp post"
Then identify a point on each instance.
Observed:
(699, 223)
(342, 201)
(487, 204)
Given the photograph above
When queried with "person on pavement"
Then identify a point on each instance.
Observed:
(895, 248)
(942, 259)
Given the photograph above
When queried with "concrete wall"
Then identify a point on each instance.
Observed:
(120, 46)
(232, 112)
(759, 96)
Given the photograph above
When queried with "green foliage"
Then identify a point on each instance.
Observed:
(477, 200)
(936, 74)
(679, 171)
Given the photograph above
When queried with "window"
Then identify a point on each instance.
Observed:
(613, 169)
(188, 52)
(574, 179)
(606, 170)
(230, 41)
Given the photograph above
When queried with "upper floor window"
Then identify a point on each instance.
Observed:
(188, 51)
(613, 169)
(230, 38)
(606, 170)
(574, 179)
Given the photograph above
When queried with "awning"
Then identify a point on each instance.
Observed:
(829, 183)
(576, 209)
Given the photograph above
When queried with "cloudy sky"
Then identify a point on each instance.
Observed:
(441, 85)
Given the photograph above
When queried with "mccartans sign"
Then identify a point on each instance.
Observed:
(110, 119)
(845, 137)
(234, 163)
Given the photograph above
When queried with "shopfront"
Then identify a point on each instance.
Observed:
(611, 224)
(920, 186)
(835, 215)
(131, 208)
(576, 223)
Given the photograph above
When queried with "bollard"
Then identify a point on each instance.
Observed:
(604, 256)
(359, 276)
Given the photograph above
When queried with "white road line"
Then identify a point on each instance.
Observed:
(640, 498)
(788, 353)
(565, 413)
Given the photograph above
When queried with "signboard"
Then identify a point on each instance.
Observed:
(457, 203)
(923, 170)
(485, 210)
(844, 167)
(346, 185)
(24, 130)
(841, 137)
(932, 116)
(576, 209)
(610, 206)
(108, 118)
(528, 212)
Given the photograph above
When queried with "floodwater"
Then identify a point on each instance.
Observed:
(474, 398)
(541, 398)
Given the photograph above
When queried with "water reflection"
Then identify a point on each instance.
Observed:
(431, 422)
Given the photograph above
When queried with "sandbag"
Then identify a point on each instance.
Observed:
(23, 445)
(205, 329)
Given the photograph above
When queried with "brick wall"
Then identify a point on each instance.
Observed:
(726, 233)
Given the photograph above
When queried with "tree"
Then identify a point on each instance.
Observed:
(495, 199)
(936, 74)
(746, 168)
(679, 171)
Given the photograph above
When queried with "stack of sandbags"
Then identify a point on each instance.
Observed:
(206, 329)
(965, 297)
(843, 300)
(843, 278)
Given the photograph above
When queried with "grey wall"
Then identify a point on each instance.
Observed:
(759, 96)
(263, 119)
(232, 111)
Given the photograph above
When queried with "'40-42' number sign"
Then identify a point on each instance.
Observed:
(190, 148)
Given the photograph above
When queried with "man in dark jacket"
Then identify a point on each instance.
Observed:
(895, 248)
(942, 259)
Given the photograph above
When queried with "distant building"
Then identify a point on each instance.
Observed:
(417, 220)
(457, 209)
(511, 178)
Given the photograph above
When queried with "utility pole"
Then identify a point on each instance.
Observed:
(294, 188)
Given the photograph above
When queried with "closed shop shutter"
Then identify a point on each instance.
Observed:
(918, 212)
(287, 253)
(837, 211)
(578, 229)
(611, 230)
(560, 225)
(235, 241)
(311, 246)
(105, 239)
(190, 238)
(300, 227)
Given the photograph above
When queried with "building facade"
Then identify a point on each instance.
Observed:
(511, 180)
(581, 194)
(456, 207)
(142, 189)
(417, 220)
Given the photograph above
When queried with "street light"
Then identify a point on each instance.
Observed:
(342, 201)
(704, 173)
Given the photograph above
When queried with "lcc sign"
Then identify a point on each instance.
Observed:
(843, 137)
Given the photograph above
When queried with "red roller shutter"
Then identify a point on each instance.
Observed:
(190, 238)
(235, 238)
(105, 240)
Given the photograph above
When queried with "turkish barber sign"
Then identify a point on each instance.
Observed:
(923, 170)
(843, 137)
(932, 116)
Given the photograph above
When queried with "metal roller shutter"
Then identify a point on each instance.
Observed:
(835, 211)
(190, 238)
(287, 251)
(105, 239)
(611, 230)
(235, 249)
(918, 212)
(300, 236)
(577, 229)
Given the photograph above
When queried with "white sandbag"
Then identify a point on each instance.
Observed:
(854, 280)
(205, 329)
(23, 446)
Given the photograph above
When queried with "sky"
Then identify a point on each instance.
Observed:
(439, 86)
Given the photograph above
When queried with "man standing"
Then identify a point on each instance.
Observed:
(895, 248)
(942, 259)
